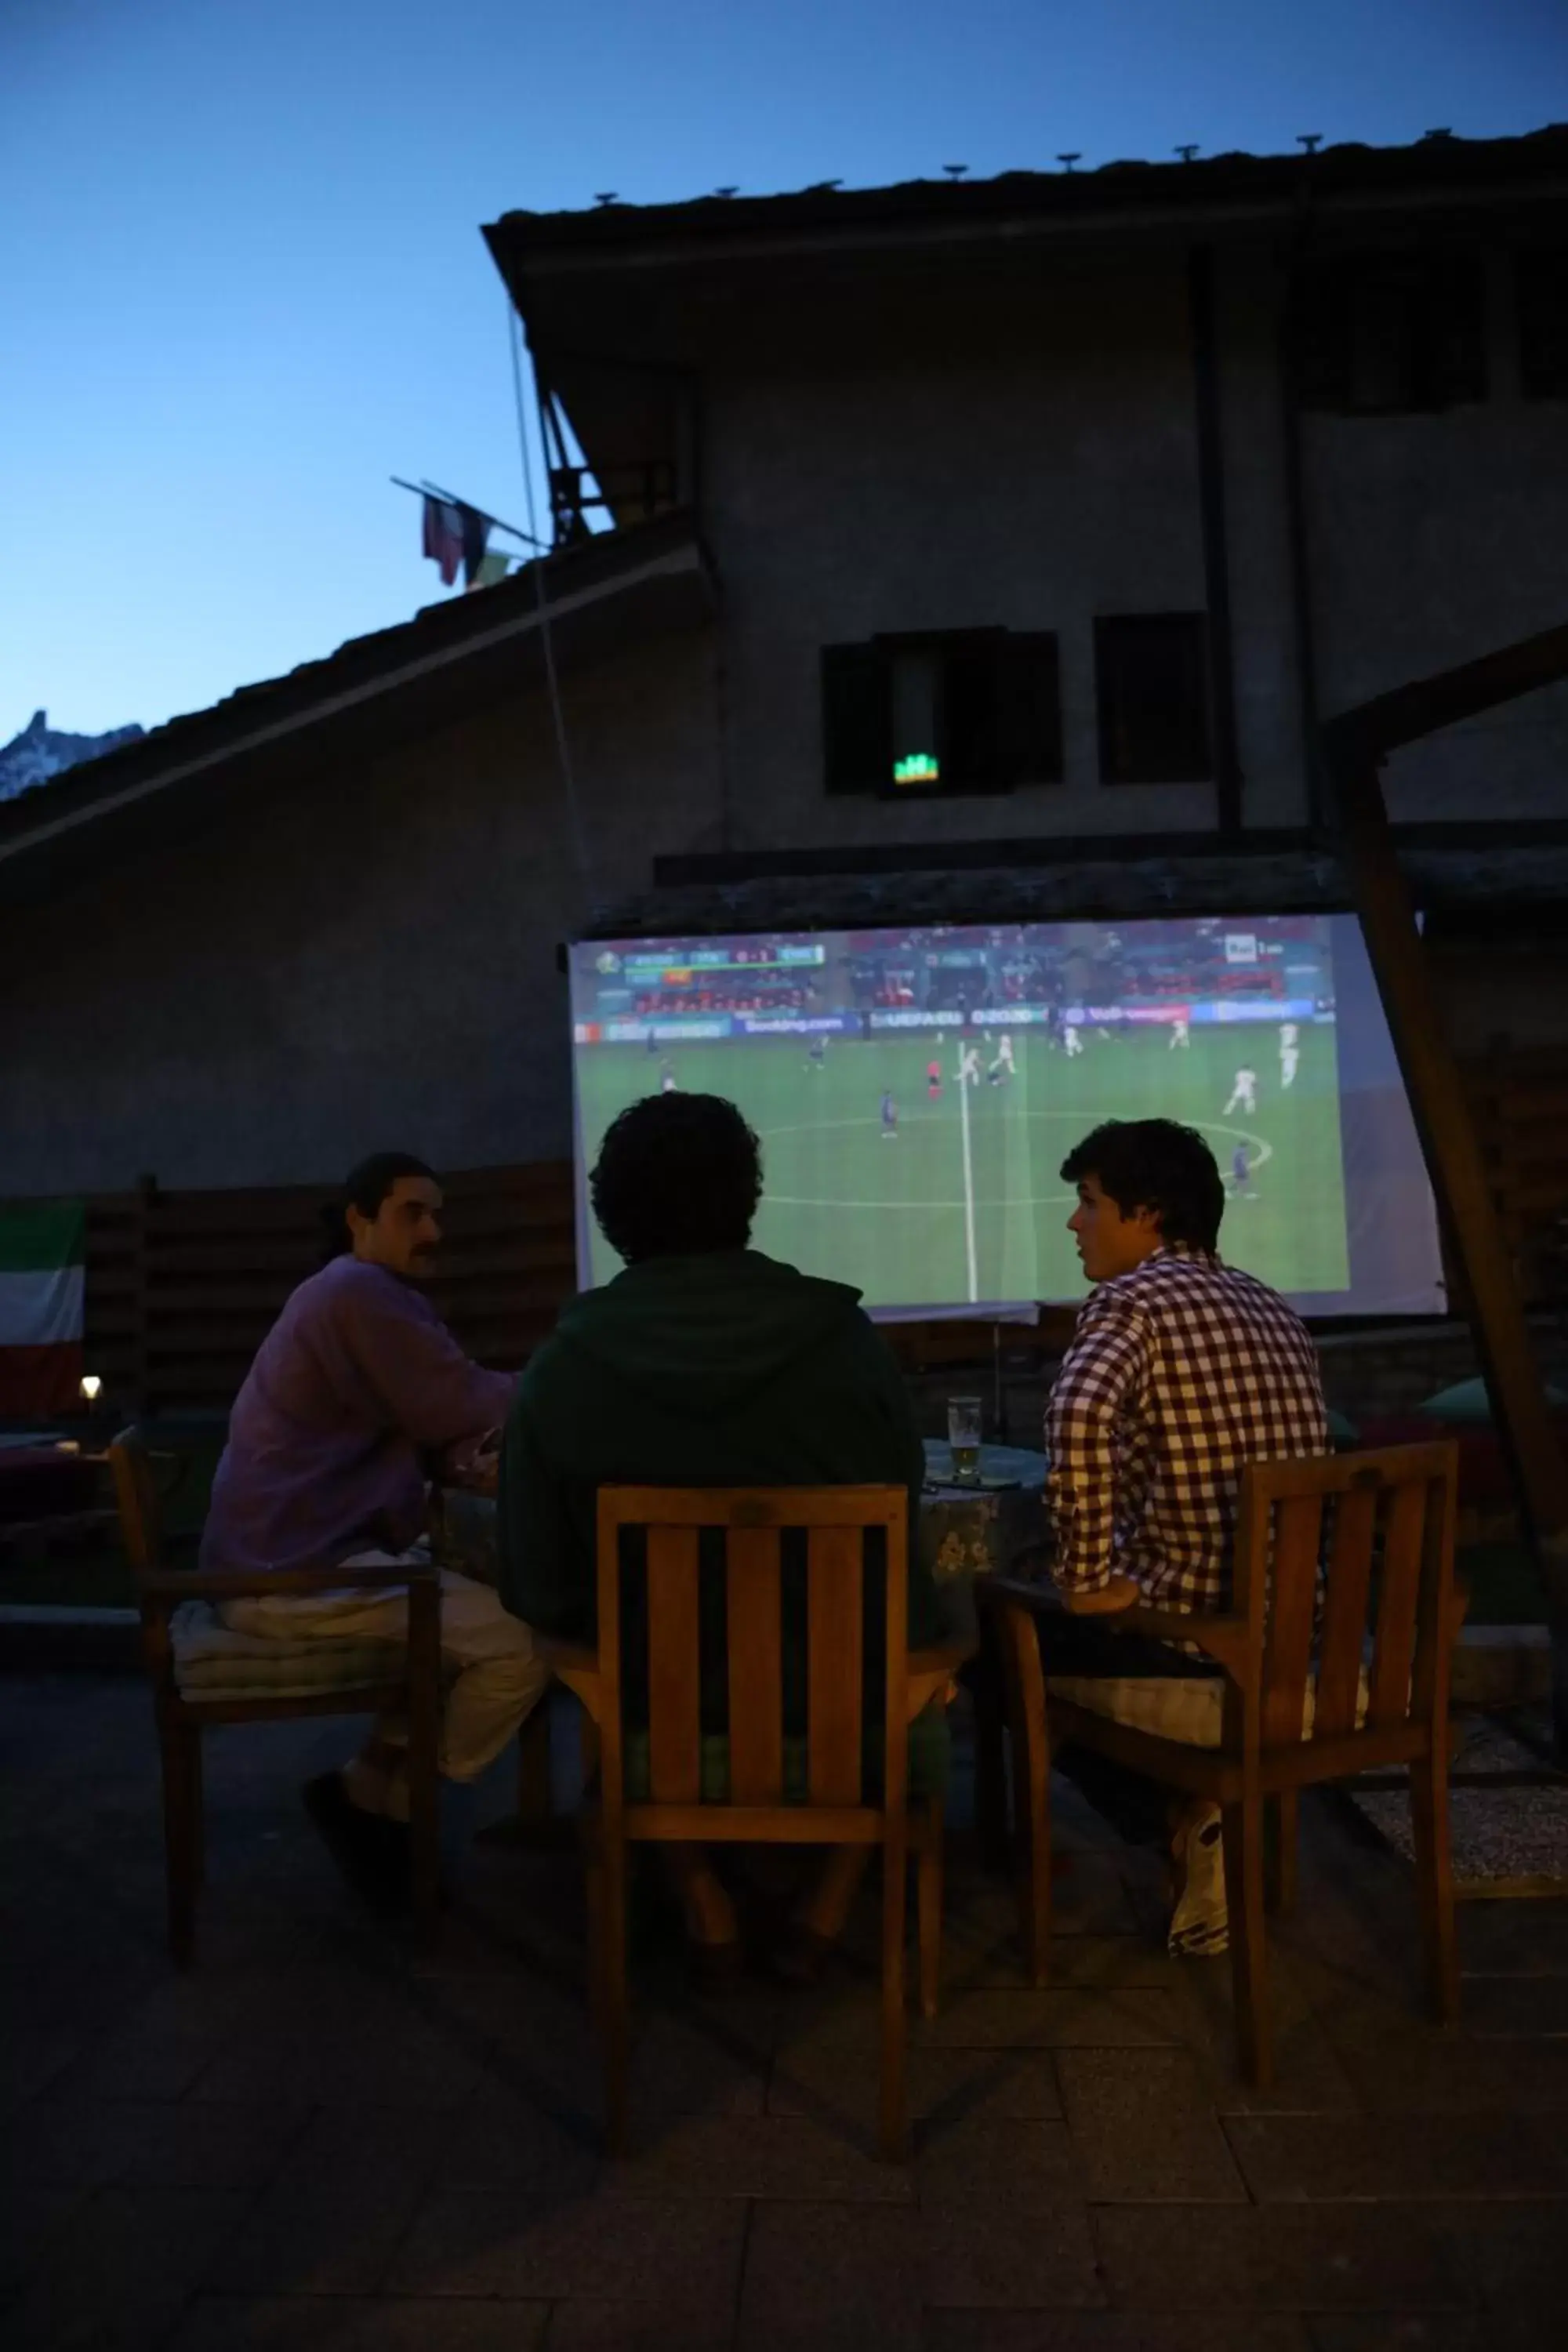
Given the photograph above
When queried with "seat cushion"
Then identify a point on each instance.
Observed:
(213, 1662)
(1188, 1708)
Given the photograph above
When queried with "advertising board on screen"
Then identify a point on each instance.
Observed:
(916, 1092)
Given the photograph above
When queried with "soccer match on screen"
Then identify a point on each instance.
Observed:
(916, 1091)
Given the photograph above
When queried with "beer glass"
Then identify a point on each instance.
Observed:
(964, 1438)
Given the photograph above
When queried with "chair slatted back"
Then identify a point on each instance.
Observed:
(754, 1599)
(674, 1661)
(1333, 1553)
(835, 1632)
(1345, 1604)
(141, 1507)
(1292, 1610)
(751, 1523)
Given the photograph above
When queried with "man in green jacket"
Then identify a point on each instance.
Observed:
(702, 1364)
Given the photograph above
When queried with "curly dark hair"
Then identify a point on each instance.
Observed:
(677, 1175)
(1154, 1163)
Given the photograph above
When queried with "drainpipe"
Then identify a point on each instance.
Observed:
(1217, 553)
(1304, 626)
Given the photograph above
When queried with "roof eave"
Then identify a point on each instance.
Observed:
(89, 817)
(1222, 192)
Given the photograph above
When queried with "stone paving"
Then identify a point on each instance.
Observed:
(316, 2141)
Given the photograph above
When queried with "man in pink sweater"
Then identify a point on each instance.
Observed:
(356, 1382)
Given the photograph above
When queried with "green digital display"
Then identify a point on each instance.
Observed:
(917, 768)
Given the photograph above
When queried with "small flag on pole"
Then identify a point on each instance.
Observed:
(42, 1249)
(443, 540)
(494, 566)
(476, 530)
(456, 534)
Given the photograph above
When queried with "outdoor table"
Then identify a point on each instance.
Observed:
(970, 1527)
(50, 1488)
(967, 1528)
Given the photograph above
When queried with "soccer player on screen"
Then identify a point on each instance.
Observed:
(1289, 1053)
(1180, 1034)
(1243, 1092)
(817, 1054)
(667, 1077)
(1240, 1171)
(1072, 1040)
(968, 1066)
(934, 1082)
(1002, 1067)
(889, 1118)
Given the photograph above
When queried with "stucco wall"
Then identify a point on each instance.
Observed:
(1023, 463)
(1023, 453)
(348, 964)
(1497, 989)
(1434, 539)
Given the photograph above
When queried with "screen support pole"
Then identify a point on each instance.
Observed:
(1454, 1162)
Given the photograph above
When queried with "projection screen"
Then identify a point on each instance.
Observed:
(916, 1092)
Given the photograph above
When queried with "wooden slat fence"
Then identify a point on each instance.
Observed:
(1520, 1097)
(181, 1288)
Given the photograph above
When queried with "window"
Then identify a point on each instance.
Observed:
(1391, 334)
(1150, 674)
(973, 711)
(1541, 288)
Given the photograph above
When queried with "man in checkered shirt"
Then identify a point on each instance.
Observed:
(1181, 1370)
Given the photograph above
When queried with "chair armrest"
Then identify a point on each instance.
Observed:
(575, 1657)
(575, 1665)
(929, 1672)
(942, 1657)
(1221, 1638)
(174, 1585)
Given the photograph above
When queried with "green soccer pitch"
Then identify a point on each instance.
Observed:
(965, 1203)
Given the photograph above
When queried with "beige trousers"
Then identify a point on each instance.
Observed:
(493, 1678)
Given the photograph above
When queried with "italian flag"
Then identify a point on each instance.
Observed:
(42, 1246)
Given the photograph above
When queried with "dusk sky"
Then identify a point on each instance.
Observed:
(242, 282)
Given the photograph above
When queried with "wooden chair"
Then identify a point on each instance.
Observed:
(348, 1678)
(1292, 1640)
(836, 1809)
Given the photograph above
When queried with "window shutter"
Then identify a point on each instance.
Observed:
(1456, 338)
(1541, 286)
(1388, 309)
(1320, 328)
(1381, 334)
(856, 736)
(1152, 679)
(972, 736)
(1028, 706)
